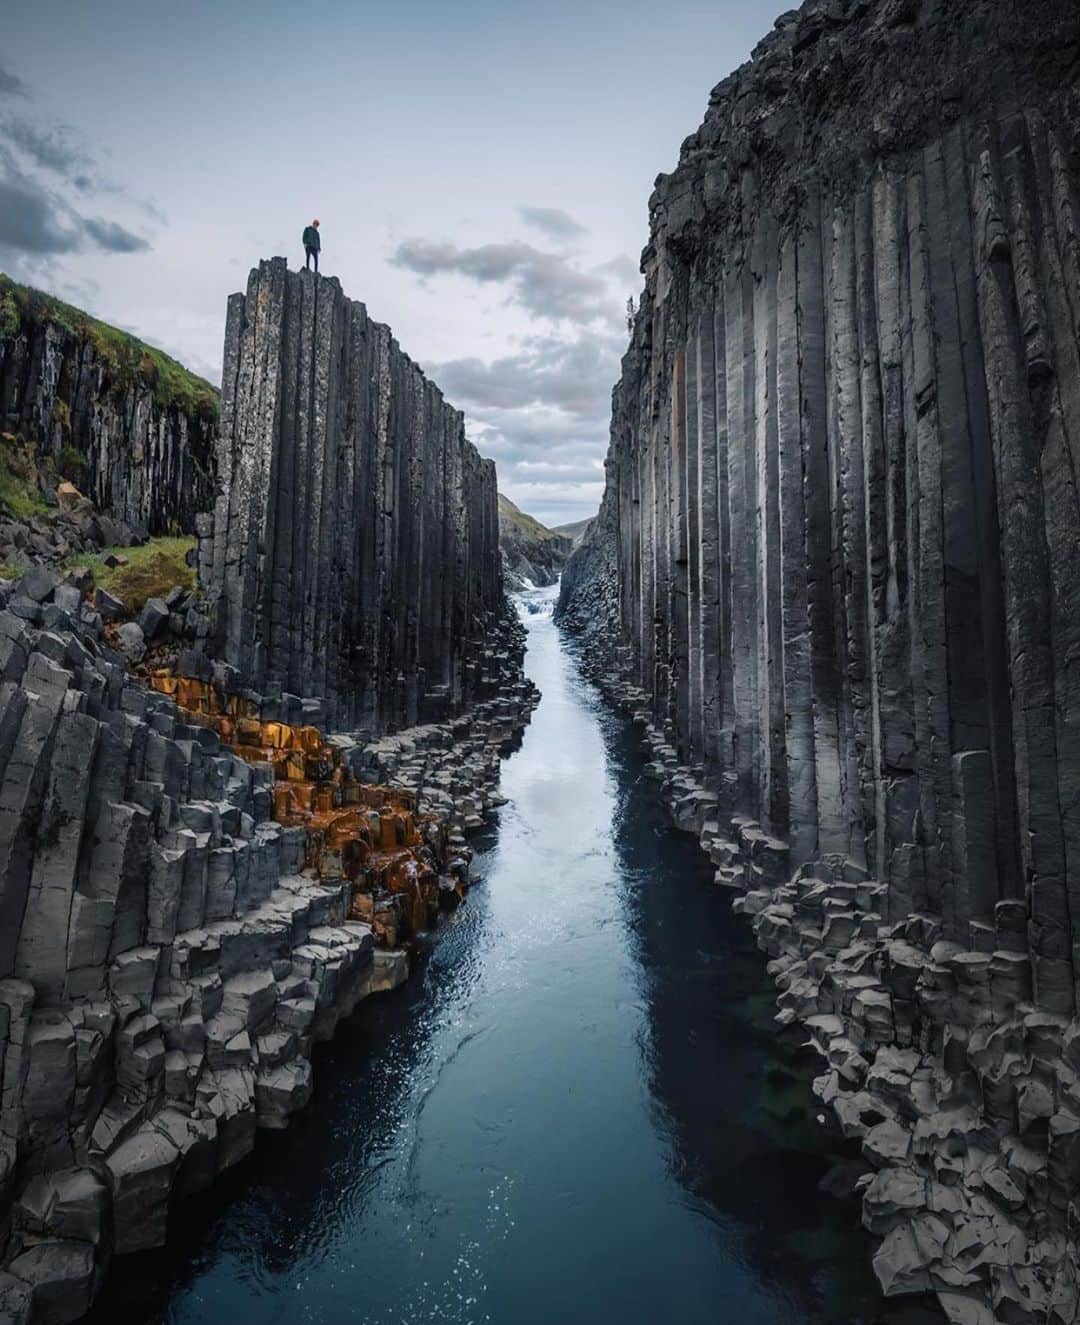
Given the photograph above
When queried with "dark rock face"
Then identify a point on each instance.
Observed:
(141, 458)
(843, 469)
(532, 554)
(589, 587)
(844, 451)
(353, 551)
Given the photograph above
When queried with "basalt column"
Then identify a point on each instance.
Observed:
(353, 550)
(846, 450)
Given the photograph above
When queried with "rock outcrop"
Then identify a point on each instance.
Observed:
(844, 474)
(353, 550)
(589, 585)
(532, 554)
(125, 423)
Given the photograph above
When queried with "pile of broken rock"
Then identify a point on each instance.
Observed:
(166, 957)
(963, 1096)
(71, 528)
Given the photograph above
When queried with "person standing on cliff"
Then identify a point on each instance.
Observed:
(312, 244)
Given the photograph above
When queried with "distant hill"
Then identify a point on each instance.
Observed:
(574, 532)
(532, 553)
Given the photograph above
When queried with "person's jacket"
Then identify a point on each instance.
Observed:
(311, 238)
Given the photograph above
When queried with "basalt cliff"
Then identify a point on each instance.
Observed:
(353, 551)
(83, 401)
(839, 565)
(221, 824)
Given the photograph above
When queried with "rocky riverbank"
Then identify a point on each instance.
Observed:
(961, 1094)
(196, 889)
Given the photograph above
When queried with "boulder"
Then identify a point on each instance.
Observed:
(153, 618)
(110, 607)
(61, 1279)
(132, 641)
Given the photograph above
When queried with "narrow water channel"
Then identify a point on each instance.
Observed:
(578, 1110)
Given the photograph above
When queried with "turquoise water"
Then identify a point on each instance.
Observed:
(579, 1109)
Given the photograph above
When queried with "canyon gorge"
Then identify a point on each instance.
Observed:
(751, 985)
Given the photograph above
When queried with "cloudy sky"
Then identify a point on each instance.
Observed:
(481, 170)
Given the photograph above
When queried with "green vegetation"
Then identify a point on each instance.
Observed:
(127, 358)
(61, 415)
(526, 525)
(71, 465)
(10, 317)
(20, 496)
(151, 572)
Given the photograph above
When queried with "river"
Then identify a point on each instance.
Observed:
(578, 1110)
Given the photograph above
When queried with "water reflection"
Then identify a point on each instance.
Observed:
(578, 1111)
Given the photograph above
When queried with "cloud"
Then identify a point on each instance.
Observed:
(542, 414)
(622, 269)
(541, 411)
(549, 285)
(552, 221)
(114, 238)
(33, 221)
(10, 86)
(574, 376)
(52, 149)
(36, 220)
(56, 150)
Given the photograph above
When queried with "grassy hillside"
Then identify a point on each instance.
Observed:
(127, 357)
(149, 571)
(525, 525)
(574, 532)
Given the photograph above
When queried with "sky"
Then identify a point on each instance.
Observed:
(481, 172)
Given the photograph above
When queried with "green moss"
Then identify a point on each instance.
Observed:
(126, 358)
(151, 572)
(10, 318)
(20, 495)
(9, 572)
(62, 415)
(71, 464)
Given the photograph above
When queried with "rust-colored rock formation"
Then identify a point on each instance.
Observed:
(370, 835)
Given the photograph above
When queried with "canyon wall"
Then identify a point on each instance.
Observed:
(195, 884)
(845, 451)
(843, 471)
(130, 427)
(353, 549)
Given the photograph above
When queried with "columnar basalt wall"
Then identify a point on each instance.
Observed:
(353, 551)
(195, 886)
(843, 468)
(845, 456)
(134, 430)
